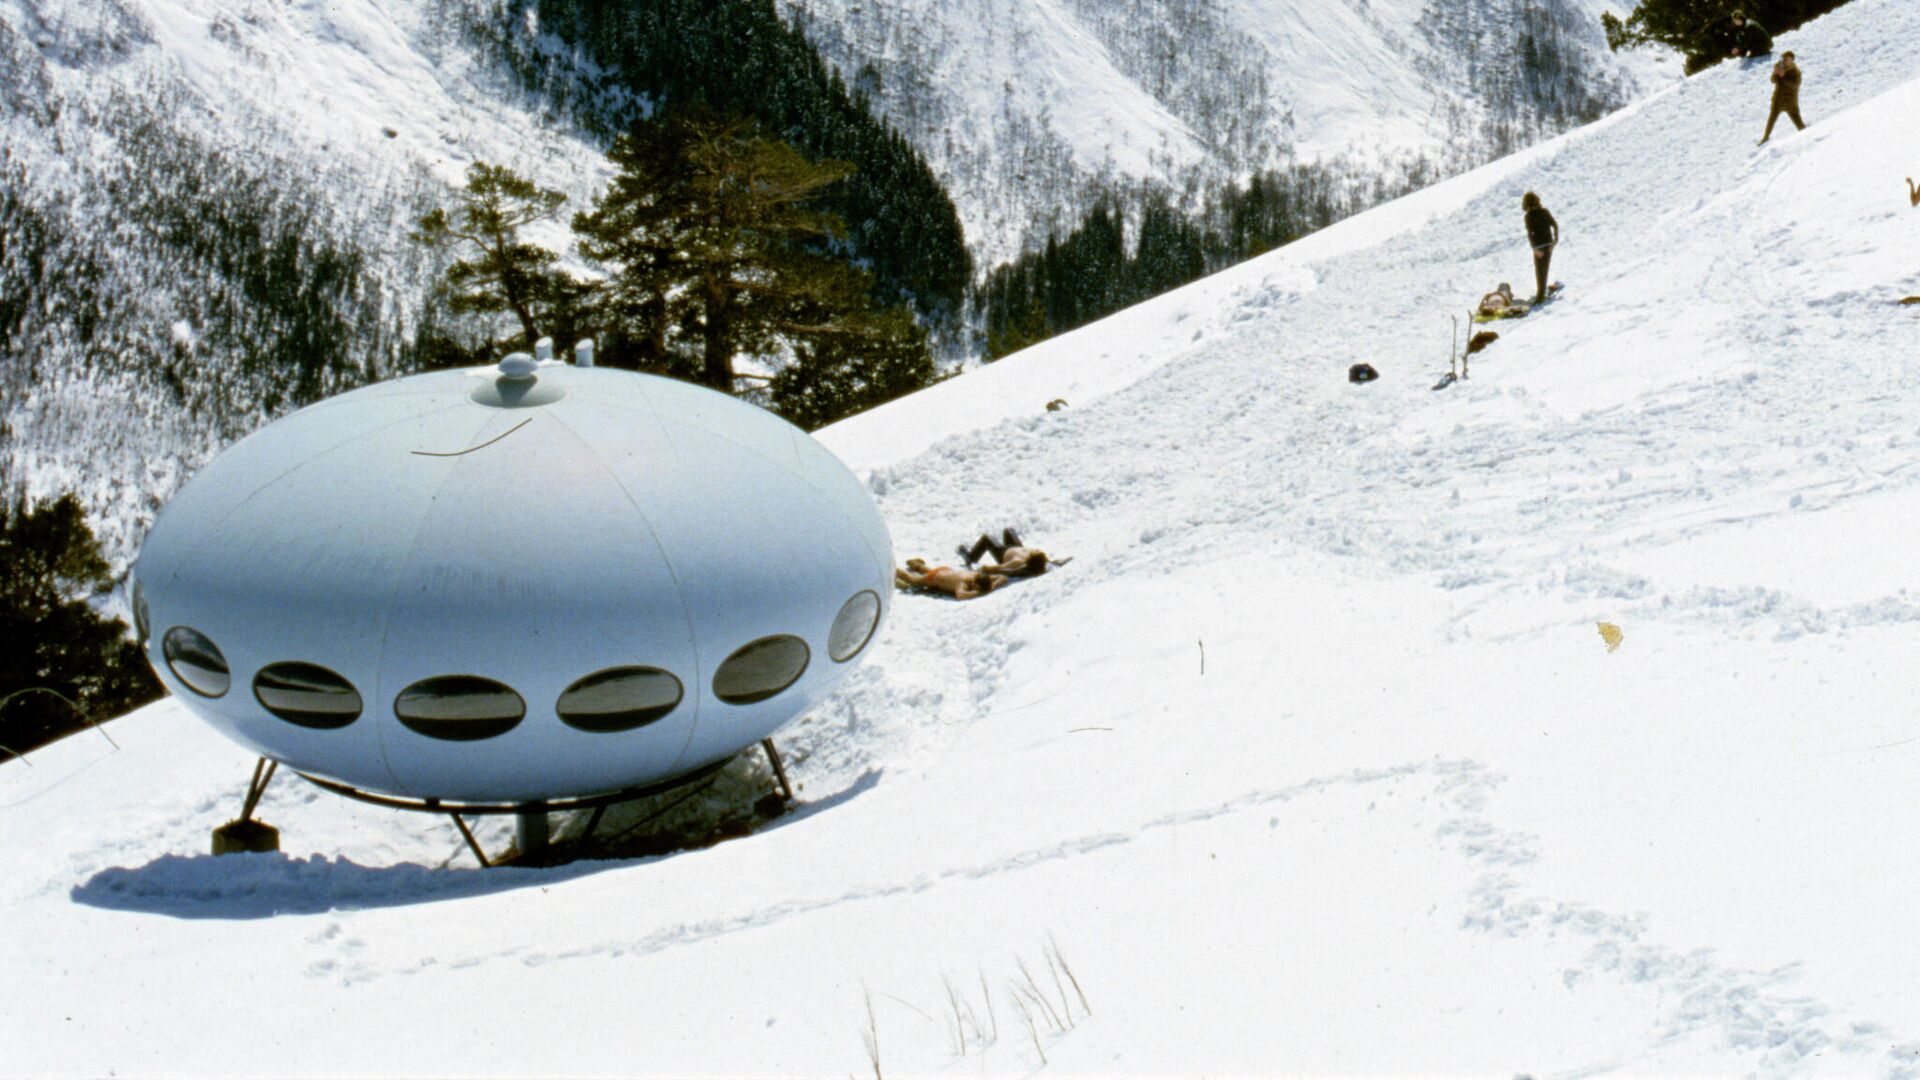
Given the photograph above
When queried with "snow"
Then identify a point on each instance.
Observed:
(370, 79)
(1312, 761)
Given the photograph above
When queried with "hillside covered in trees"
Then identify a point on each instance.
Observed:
(608, 64)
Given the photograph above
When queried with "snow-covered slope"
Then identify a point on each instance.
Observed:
(1027, 108)
(1312, 760)
(382, 86)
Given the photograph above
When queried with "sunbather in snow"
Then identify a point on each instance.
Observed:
(1010, 557)
(1500, 304)
(959, 584)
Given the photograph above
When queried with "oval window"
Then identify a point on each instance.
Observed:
(196, 661)
(140, 612)
(853, 627)
(459, 708)
(307, 695)
(760, 669)
(619, 699)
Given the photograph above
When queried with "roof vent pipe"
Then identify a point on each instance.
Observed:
(583, 353)
(543, 349)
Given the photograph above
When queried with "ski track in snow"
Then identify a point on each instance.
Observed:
(1751, 1011)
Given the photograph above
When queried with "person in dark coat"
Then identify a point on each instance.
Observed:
(1543, 233)
(1748, 38)
(1786, 95)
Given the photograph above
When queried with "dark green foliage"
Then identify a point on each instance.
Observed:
(832, 378)
(503, 272)
(740, 57)
(1090, 273)
(60, 652)
(1702, 29)
(716, 246)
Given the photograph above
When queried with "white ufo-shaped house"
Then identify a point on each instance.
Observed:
(510, 585)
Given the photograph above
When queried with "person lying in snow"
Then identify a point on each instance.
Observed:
(959, 584)
(1500, 304)
(1010, 556)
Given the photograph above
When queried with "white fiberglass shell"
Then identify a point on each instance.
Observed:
(531, 532)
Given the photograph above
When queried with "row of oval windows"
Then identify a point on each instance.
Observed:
(464, 708)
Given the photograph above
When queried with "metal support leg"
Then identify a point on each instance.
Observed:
(243, 834)
(593, 822)
(262, 776)
(530, 833)
(779, 770)
(461, 824)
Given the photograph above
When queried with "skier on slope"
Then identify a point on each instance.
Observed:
(1786, 95)
(1543, 233)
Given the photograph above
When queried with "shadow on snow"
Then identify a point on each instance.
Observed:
(261, 886)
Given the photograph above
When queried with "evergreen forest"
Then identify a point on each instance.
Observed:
(610, 64)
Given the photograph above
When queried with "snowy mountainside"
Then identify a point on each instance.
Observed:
(158, 153)
(1028, 109)
(1311, 761)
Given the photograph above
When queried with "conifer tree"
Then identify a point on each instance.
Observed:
(744, 57)
(504, 273)
(712, 236)
(67, 664)
(835, 376)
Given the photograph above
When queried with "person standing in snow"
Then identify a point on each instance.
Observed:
(1786, 95)
(1748, 39)
(1544, 234)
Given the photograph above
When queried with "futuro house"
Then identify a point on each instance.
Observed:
(533, 582)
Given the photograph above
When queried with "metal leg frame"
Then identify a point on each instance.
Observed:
(461, 824)
(779, 769)
(263, 771)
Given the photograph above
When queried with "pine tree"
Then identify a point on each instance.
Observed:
(712, 235)
(833, 377)
(67, 665)
(505, 273)
(742, 57)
